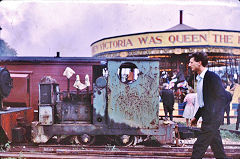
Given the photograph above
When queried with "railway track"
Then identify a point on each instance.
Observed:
(89, 152)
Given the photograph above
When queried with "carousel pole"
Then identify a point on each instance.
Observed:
(237, 70)
(230, 65)
(226, 73)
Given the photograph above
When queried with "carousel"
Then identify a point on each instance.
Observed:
(173, 46)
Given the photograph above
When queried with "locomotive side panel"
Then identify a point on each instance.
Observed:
(99, 106)
(134, 104)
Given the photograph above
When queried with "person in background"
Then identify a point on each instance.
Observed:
(188, 113)
(238, 114)
(168, 101)
(227, 107)
(212, 100)
(231, 86)
(130, 76)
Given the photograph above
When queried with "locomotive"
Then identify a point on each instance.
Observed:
(121, 107)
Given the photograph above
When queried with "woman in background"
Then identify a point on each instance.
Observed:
(190, 100)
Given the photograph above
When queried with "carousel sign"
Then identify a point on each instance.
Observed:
(211, 38)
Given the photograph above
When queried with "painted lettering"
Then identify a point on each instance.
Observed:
(158, 38)
(121, 43)
(143, 40)
(150, 40)
(218, 38)
(195, 38)
(129, 42)
(115, 44)
(187, 38)
(171, 39)
(102, 46)
(204, 37)
(179, 39)
(94, 48)
(230, 39)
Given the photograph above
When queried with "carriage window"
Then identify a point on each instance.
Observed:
(128, 72)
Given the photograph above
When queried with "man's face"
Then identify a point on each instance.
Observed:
(194, 65)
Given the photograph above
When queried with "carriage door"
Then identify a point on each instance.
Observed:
(133, 94)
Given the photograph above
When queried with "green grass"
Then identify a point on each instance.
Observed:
(229, 127)
(231, 136)
(228, 135)
(181, 123)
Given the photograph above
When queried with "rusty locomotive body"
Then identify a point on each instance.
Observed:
(121, 106)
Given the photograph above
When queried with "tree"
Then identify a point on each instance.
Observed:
(6, 50)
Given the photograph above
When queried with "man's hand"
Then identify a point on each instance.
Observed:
(194, 122)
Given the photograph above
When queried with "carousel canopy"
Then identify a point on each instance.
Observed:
(178, 40)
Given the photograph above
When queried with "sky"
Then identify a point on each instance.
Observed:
(44, 27)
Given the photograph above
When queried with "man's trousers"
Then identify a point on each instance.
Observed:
(209, 135)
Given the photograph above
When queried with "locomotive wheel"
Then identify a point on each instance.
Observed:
(85, 139)
(125, 140)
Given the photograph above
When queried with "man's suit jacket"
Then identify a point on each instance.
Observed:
(215, 100)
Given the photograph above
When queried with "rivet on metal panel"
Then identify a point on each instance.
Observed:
(108, 90)
(153, 122)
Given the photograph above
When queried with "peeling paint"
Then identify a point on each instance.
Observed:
(135, 104)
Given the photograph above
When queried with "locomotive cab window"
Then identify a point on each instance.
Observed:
(128, 73)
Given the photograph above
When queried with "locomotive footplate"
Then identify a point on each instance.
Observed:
(41, 133)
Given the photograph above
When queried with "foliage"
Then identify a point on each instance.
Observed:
(6, 50)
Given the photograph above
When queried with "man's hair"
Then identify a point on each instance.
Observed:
(200, 56)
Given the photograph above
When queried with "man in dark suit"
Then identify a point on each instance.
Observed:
(168, 100)
(212, 101)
